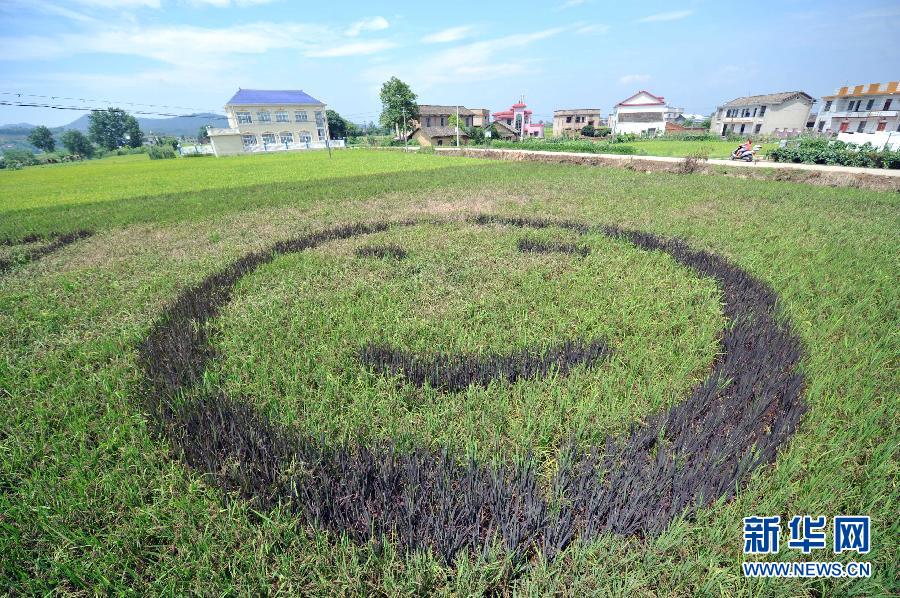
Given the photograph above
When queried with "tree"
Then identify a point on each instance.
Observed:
(203, 135)
(77, 143)
(588, 130)
(41, 138)
(114, 128)
(455, 121)
(398, 105)
(337, 126)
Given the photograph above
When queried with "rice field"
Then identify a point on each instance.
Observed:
(384, 373)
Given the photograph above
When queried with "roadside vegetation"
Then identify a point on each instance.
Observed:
(96, 498)
(831, 151)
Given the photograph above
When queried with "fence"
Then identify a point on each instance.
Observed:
(295, 146)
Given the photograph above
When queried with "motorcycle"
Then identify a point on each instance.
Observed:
(744, 154)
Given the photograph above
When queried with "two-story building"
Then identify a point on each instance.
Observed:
(641, 114)
(518, 118)
(270, 120)
(570, 122)
(871, 108)
(433, 125)
(783, 114)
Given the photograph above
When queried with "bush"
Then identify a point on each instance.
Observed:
(568, 145)
(830, 151)
(15, 159)
(162, 152)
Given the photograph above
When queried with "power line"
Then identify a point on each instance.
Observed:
(96, 109)
(96, 101)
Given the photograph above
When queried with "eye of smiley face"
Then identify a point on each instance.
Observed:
(547, 305)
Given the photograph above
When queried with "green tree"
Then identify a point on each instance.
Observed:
(588, 130)
(41, 138)
(455, 121)
(337, 125)
(113, 128)
(398, 105)
(77, 143)
(202, 135)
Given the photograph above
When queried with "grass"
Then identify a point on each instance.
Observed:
(91, 501)
(681, 148)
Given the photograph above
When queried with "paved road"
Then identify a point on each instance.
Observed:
(737, 164)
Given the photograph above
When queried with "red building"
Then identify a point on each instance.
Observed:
(518, 118)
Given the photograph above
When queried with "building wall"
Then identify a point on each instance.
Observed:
(790, 115)
(561, 127)
(656, 122)
(257, 128)
(829, 121)
(226, 145)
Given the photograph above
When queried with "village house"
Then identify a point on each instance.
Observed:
(518, 118)
(570, 122)
(433, 125)
(270, 120)
(862, 113)
(783, 114)
(641, 114)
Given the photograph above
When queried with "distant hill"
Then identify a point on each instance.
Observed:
(14, 135)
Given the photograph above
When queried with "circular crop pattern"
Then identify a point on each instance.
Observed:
(673, 462)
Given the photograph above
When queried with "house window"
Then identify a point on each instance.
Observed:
(264, 116)
(321, 133)
(887, 104)
(243, 118)
(248, 140)
(320, 119)
(428, 121)
(568, 119)
(440, 142)
(762, 110)
(757, 128)
(861, 126)
(268, 138)
(286, 137)
(869, 104)
(304, 137)
(443, 122)
(300, 116)
(742, 129)
(827, 106)
(821, 125)
(281, 116)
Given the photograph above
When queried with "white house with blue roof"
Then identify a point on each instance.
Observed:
(266, 120)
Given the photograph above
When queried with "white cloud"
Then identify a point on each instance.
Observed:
(190, 47)
(123, 4)
(630, 79)
(352, 49)
(450, 34)
(476, 61)
(591, 29)
(675, 15)
(367, 24)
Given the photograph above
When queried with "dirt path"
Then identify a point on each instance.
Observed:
(832, 176)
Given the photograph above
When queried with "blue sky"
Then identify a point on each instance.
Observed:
(559, 53)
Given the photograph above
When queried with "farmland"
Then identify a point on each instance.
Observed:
(95, 491)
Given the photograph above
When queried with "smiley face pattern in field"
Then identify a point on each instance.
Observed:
(635, 482)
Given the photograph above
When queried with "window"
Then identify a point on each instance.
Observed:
(887, 104)
(281, 116)
(568, 119)
(869, 104)
(304, 137)
(742, 128)
(427, 121)
(268, 138)
(757, 128)
(827, 106)
(443, 122)
(286, 137)
(321, 133)
(821, 125)
(264, 116)
(320, 119)
(243, 118)
(861, 126)
(881, 126)
(440, 142)
(248, 139)
(300, 116)
(762, 110)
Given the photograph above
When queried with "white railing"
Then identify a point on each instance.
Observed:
(203, 148)
(295, 146)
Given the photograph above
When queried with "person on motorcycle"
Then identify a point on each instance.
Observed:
(743, 151)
